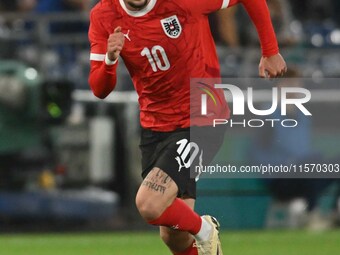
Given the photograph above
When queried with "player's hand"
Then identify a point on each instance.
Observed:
(273, 66)
(115, 44)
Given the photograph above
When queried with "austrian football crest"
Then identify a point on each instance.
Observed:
(171, 26)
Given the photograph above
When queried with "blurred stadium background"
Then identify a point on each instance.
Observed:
(70, 163)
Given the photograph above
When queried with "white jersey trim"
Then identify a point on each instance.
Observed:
(139, 13)
(97, 57)
(225, 4)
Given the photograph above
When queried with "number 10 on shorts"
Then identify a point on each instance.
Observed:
(185, 147)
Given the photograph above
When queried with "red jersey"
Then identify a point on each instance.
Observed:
(166, 44)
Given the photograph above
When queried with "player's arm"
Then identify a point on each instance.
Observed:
(102, 78)
(105, 50)
(271, 63)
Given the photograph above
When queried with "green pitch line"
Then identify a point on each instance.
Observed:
(148, 243)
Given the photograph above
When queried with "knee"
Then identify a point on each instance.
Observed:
(175, 238)
(177, 241)
(166, 237)
(148, 207)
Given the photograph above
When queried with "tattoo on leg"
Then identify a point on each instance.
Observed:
(154, 186)
(158, 182)
(167, 179)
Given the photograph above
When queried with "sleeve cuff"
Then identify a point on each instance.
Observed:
(108, 61)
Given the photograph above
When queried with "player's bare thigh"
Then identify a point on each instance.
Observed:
(177, 241)
(155, 194)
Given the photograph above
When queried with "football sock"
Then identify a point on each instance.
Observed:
(191, 250)
(179, 216)
(204, 233)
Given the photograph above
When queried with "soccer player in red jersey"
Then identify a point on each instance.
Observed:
(164, 43)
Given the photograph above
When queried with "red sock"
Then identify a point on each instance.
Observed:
(191, 250)
(179, 216)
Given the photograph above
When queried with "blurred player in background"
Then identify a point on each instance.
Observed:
(283, 146)
(163, 45)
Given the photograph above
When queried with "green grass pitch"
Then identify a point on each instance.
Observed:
(148, 243)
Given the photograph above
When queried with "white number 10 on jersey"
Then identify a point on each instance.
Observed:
(154, 58)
